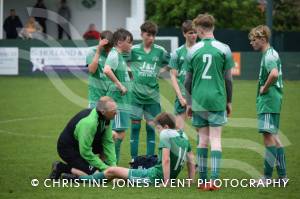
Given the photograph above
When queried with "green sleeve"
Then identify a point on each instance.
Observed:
(85, 134)
(188, 62)
(229, 63)
(164, 140)
(173, 63)
(90, 56)
(189, 149)
(109, 147)
(270, 62)
(112, 60)
(165, 58)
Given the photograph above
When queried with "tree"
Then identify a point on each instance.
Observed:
(229, 14)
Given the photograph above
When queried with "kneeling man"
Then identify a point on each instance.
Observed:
(86, 137)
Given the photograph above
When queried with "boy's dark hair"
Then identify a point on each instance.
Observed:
(107, 34)
(187, 26)
(149, 27)
(165, 119)
(121, 35)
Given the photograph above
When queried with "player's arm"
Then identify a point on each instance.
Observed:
(188, 88)
(173, 74)
(166, 164)
(272, 78)
(110, 74)
(109, 147)
(228, 65)
(228, 86)
(92, 67)
(165, 58)
(191, 165)
(85, 139)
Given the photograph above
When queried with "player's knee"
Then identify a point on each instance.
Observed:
(118, 135)
(203, 140)
(216, 146)
(135, 121)
(150, 122)
(108, 172)
(202, 145)
(269, 139)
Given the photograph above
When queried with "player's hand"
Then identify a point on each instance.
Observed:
(123, 90)
(189, 111)
(182, 101)
(262, 90)
(102, 43)
(228, 109)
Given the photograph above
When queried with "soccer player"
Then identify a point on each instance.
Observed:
(208, 85)
(268, 101)
(178, 66)
(98, 82)
(174, 150)
(116, 70)
(147, 61)
(84, 139)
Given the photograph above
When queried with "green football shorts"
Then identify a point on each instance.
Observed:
(121, 121)
(209, 118)
(178, 109)
(268, 122)
(149, 111)
(142, 175)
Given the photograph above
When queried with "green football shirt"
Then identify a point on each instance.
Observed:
(119, 66)
(85, 132)
(178, 61)
(179, 146)
(271, 101)
(207, 61)
(98, 82)
(145, 68)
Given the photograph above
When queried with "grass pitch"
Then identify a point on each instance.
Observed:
(34, 111)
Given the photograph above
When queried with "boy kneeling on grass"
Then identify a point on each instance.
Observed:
(174, 150)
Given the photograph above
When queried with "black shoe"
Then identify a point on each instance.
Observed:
(283, 181)
(55, 173)
(69, 176)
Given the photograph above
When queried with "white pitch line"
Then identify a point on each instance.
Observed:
(29, 118)
(25, 135)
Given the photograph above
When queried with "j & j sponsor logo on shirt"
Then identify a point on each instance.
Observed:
(155, 59)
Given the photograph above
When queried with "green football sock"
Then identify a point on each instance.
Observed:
(216, 157)
(280, 162)
(202, 162)
(96, 176)
(270, 158)
(118, 148)
(150, 139)
(134, 139)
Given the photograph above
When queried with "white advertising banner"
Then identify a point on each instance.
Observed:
(58, 57)
(9, 61)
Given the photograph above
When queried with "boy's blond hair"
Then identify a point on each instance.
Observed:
(261, 31)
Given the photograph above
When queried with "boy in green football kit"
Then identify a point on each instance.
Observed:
(174, 150)
(147, 60)
(95, 60)
(268, 101)
(116, 70)
(208, 86)
(178, 65)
